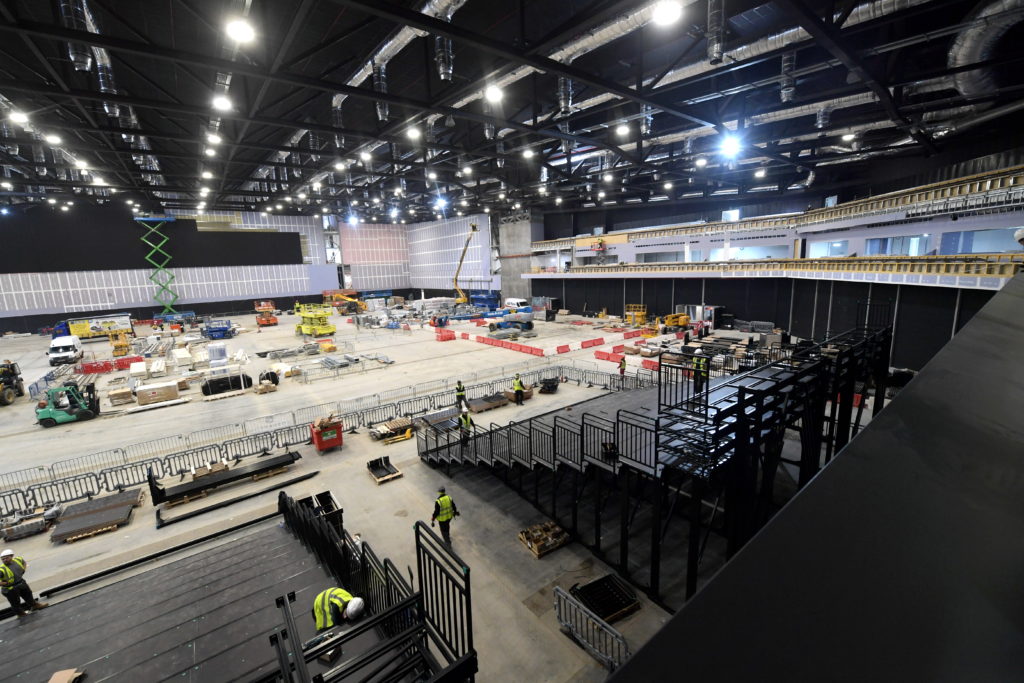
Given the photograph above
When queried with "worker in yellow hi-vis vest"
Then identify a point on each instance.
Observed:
(444, 512)
(519, 388)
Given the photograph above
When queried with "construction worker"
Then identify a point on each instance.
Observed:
(13, 584)
(444, 512)
(622, 367)
(517, 386)
(333, 605)
(700, 371)
(465, 427)
(460, 396)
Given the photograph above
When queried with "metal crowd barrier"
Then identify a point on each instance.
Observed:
(592, 632)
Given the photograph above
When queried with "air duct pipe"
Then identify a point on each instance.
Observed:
(978, 44)
(787, 84)
(564, 96)
(716, 21)
(72, 16)
(380, 84)
(444, 58)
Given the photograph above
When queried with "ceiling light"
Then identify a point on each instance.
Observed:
(558, 200)
(52, 139)
(376, 200)
(527, 153)
(240, 31)
(64, 208)
(302, 195)
(268, 209)
(394, 213)
(607, 177)
(210, 151)
(213, 138)
(760, 173)
(849, 137)
(288, 198)
(487, 209)
(129, 201)
(413, 133)
(278, 207)
(501, 195)
(72, 204)
(316, 187)
(458, 213)
(517, 205)
(730, 146)
(18, 117)
(467, 170)
(432, 176)
(403, 221)
(464, 203)
(98, 181)
(412, 210)
(207, 175)
(325, 210)
(353, 219)
(600, 195)
(666, 12)
(398, 191)
(81, 163)
(135, 209)
(221, 103)
(51, 200)
(493, 94)
(6, 185)
(440, 203)
(543, 190)
(622, 130)
(365, 156)
(701, 162)
(668, 185)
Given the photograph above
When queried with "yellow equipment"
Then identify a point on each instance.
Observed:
(339, 297)
(314, 320)
(677, 320)
(636, 314)
(404, 436)
(121, 345)
(460, 296)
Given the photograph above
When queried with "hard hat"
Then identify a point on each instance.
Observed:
(354, 608)
(440, 489)
(7, 553)
(465, 412)
(517, 374)
(699, 350)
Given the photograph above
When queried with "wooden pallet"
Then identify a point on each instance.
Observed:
(385, 478)
(226, 394)
(185, 499)
(90, 534)
(541, 539)
(269, 473)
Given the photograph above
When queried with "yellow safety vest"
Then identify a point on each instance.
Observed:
(701, 364)
(7, 577)
(622, 364)
(447, 508)
(322, 606)
(517, 385)
(466, 420)
(460, 391)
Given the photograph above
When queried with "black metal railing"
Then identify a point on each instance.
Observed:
(447, 600)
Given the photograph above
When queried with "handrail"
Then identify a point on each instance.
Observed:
(593, 633)
(966, 194)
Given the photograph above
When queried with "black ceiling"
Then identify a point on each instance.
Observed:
(905, 78)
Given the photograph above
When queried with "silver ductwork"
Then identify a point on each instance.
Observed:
(823, 118)
(646, 120)
(337, 120)
(380, 85)
(787, 83)
(8, 132)
(978, 44)
(313, 140)
(72, 16)
(564, 96)
(444, 58)
(716, 31)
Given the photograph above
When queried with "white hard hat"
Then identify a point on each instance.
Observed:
(354, 608)
(699, 350)
(7, 553)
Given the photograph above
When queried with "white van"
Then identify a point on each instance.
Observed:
(513, 304)
(65, 350)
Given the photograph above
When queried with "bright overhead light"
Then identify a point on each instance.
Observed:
(135, 209)
(517, 205)
(339, 165)
(398, 190)
(622, 130)
(760, 173)
(464, 203)
(432, 176)
(221, 103)
(365, 156)
(668, 185)
(278, 207)
(288, 198)
(376, 200)
(666, 12)
(849, 137)
(6, 185)
(353, 219)
(325, 210)
(302, 195)
(207, 175)
(413, 133)
(543, 190)
(440, 203)
(18, 117)
(213, 138)
(267, 209)
(527, 153)
(316, 187)
(64, 208)
(51, 200)
(210, 152)
(600, 195)
(487, 209)
(701, 162)
(467, 170)
(240, 31)
(394, 213)
(501, 195)
(129, 201)
(558, 200)
(493, 94)
(412, 210)
(96, 180)
(52, 139)
(730, 146)
(81, 163)
(607, 177)
(72, 204)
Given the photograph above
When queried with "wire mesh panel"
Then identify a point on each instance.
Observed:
(88, 463)
(214, 435)
(292, 436)
(132, 474)
(249, 445)
(26, 477)
(156, 448)
(176, 463)
(64, 490)
(312, 413)
(519, 443)
(542, 441)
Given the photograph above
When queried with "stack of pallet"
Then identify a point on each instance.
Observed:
(543, 538)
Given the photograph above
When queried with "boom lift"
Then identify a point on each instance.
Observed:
(460, 296)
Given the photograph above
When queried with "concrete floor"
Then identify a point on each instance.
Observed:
(515, 630)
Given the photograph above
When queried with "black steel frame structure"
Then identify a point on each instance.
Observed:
(709, 457)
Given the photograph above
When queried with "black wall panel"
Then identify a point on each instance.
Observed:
(658, 296)
(575, 295)
(551, 288)
(821, 309)
(634, 295)
(971, 301)
(107, 238)
(846, 300)
(783, 301)
(688, 291)
(883, 304)
(803, 308)
(924, 323)
(608, 294)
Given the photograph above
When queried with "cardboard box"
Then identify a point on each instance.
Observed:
(120, 396)
(138, 370)
(182, 384)
(156, 393)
